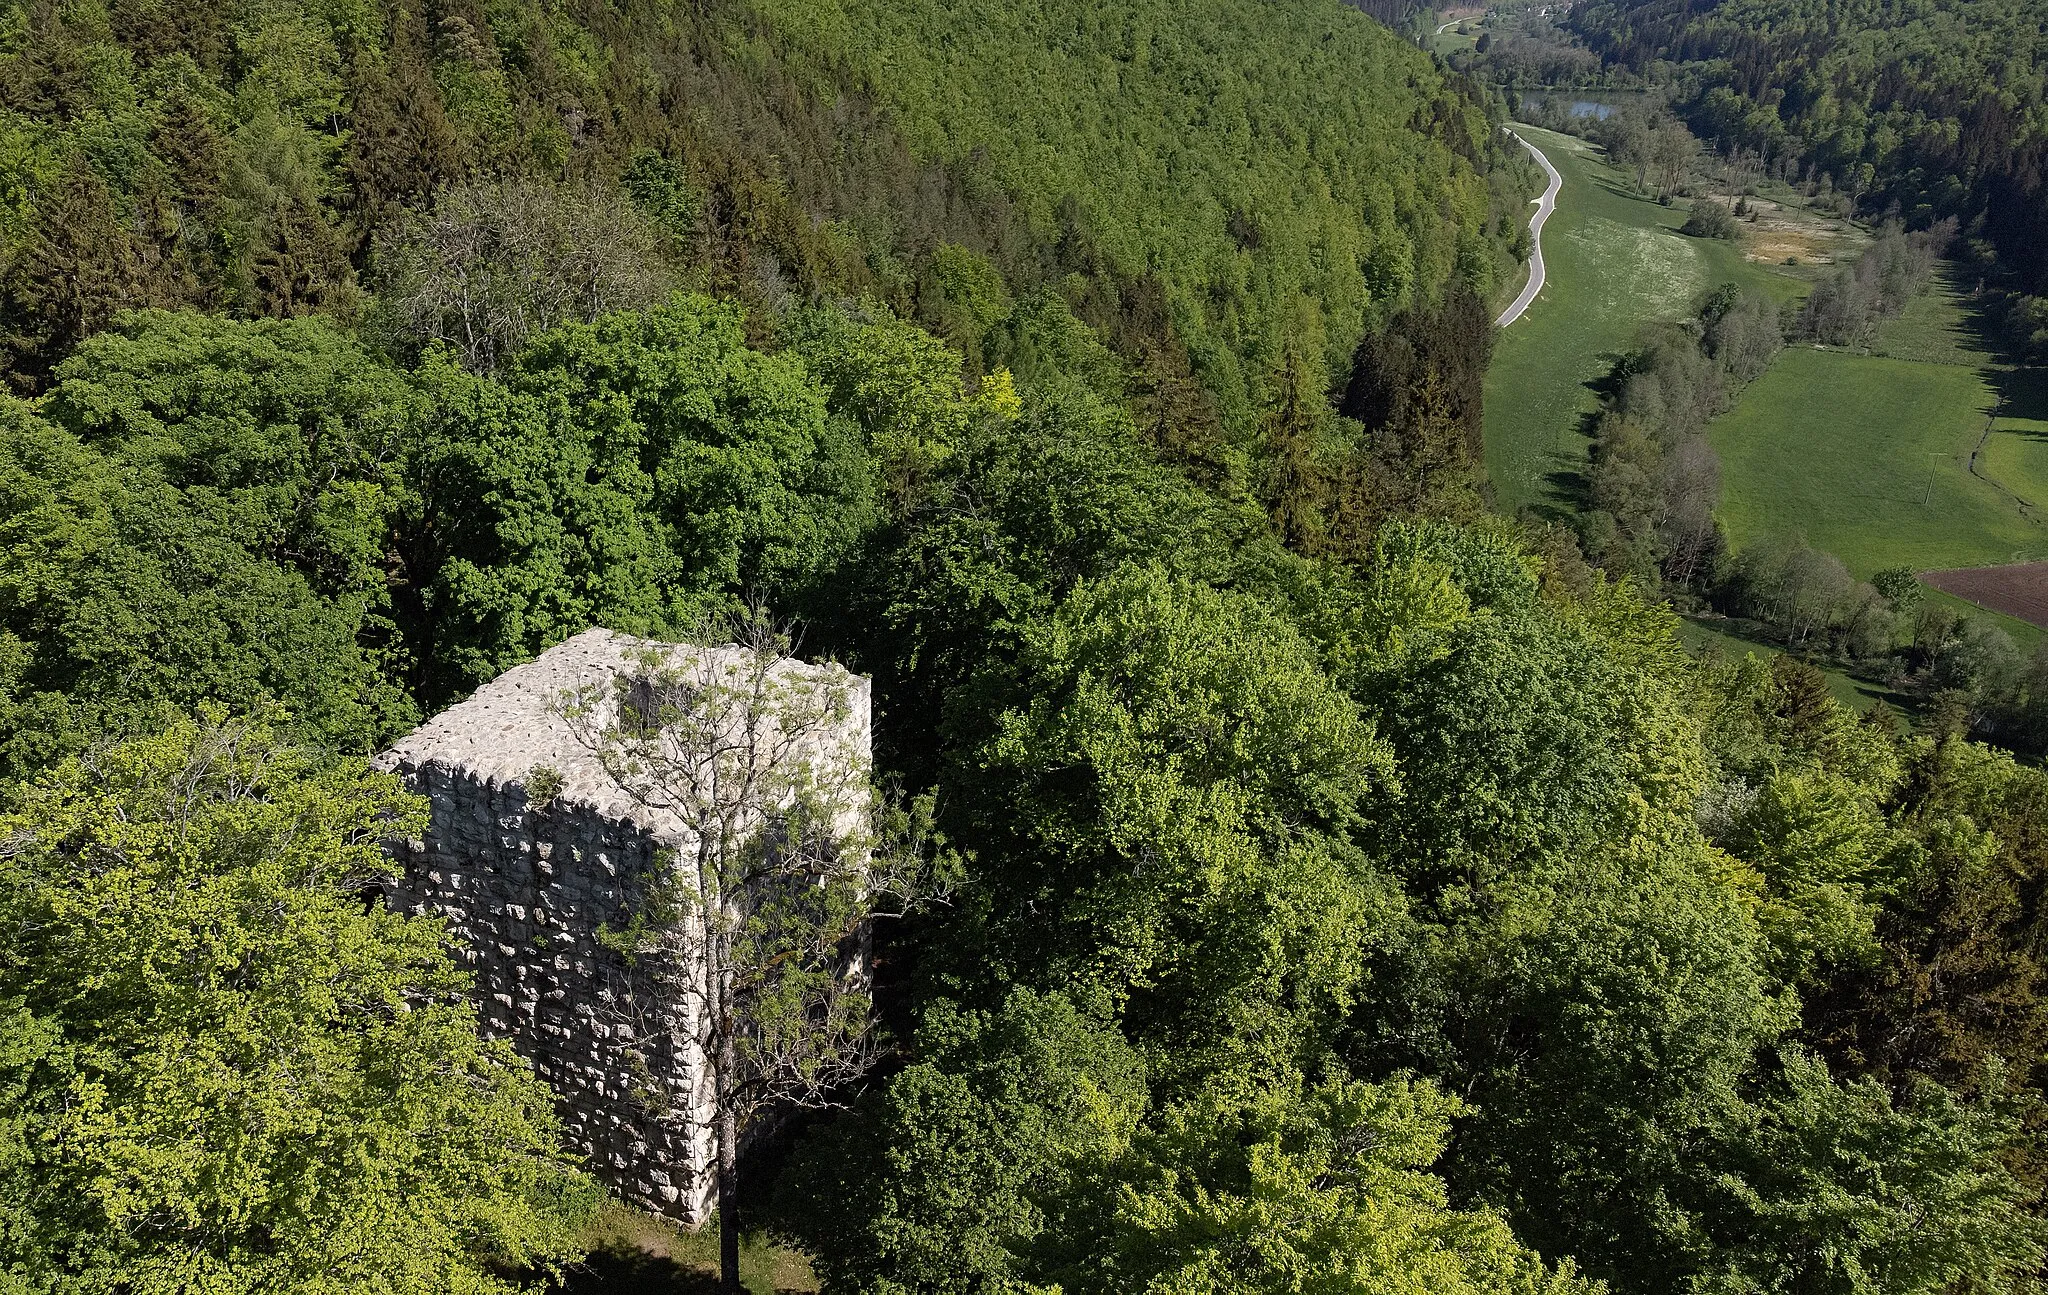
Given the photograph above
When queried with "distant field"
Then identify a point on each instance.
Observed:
(1932, 329)
(2016, 453)
(1616, 264)
(1452, 41)
(2016, 589)
(1867, 457)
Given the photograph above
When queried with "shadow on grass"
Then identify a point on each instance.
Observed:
(1605, 384)
(1983, 330)
(1732, 635)
(632, 1252)
(615, 1272)
(1570, 488)
(2022, 393)
(1628, 192)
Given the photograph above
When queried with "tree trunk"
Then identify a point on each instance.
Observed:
(711, 876)
(728, 1203)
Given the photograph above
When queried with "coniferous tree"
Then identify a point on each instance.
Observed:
(80, 264)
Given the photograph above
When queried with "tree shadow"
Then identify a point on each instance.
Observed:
(2022, 393)
(1570, 488)
(1605, 384)
(1627, 192)
(1978, 322)
(635, 1272)
(626, 1270)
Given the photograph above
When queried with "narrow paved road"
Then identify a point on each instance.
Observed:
(1544, 206)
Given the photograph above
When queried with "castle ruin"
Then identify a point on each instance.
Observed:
(526, 876)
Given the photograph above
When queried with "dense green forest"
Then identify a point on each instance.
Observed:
(1356, 892)
(1223, 180)
(1923, 110)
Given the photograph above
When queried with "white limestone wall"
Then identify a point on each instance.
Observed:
(526, 889)
(524, 892)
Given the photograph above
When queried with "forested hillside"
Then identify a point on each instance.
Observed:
(1281, 171)
(1918, 108)
(1269, 162)
(1344, 890)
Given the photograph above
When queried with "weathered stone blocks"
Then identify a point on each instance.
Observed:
(525, 890)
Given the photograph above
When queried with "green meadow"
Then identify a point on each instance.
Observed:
(1868, 455)
(1616, 263)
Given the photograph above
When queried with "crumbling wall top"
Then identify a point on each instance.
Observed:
(514, 724)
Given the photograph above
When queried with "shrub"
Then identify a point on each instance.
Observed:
(1710, 220)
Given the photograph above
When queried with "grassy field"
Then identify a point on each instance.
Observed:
(1616, 263)
(2016, 453)
(1467, 21)
(1453, 40)
(1934, 329)
(1868, 455)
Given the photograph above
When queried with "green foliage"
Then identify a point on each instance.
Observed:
(1416, 389)
(1020, 511)
(1827, 857)
(1841, 1188)
(1289, 1190)
(945, 1179)
(1181, 783)
(256, 160)
(1033, 1118)
(1152, 130)
(1294, 808)
(1710, 219)
(1957, 983)
(967, 298)
(203, 509)
(1520, 735)
(1655, 483)
(224, 1069)
(631, 472)
(1899, 586)
(1602, 1010)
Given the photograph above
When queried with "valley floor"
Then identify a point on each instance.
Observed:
(1924, 451)
(1616, 263)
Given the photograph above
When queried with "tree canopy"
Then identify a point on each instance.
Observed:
(222, 1069)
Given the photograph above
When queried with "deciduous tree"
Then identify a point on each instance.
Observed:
(226, 1065)
(756, 942)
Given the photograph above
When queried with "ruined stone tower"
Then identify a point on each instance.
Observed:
(526, 882)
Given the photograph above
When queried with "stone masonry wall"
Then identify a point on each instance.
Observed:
(527, 889)
(524, 891)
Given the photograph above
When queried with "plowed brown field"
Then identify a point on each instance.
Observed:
(2017, 588)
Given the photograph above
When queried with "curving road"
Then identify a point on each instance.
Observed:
(1544, 206)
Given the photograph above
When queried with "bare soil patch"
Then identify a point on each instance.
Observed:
(2017, 589)
(1773, 231)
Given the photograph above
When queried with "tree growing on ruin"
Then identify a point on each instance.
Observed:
(750, 949)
